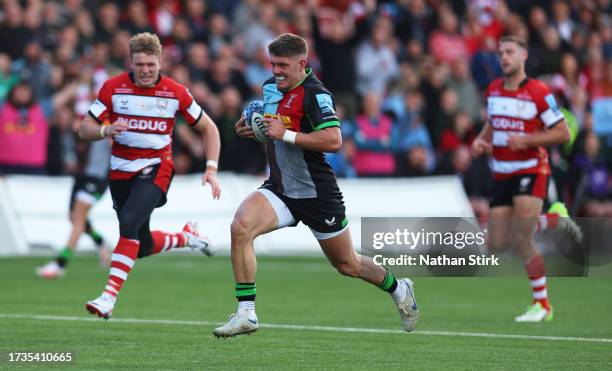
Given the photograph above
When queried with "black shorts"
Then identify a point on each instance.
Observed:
(87, 189)
(120, 189)
(505, 190)
(324, 215)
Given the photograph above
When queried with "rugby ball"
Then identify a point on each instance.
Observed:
(254, 115)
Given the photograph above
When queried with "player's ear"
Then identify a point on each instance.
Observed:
(303, 62)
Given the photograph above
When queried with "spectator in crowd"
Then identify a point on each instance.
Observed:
(233, 147)
(467, 92)
(336, 36)
(410, 132)
(461, 133)
(23, 132)
(446, 43)
(485, 64)
(376, 62)
(8, 78)
(13, 33)
(373, 131)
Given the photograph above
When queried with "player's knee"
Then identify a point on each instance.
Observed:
(240, 229)
(128, 225)
(346, 268)
(498, 244)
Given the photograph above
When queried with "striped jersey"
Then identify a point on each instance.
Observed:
(530, 108)
(150, 114)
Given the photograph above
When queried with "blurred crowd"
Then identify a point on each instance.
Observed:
(407, 76)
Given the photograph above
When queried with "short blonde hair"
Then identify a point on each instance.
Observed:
(145, 42)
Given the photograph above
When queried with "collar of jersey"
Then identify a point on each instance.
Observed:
(308, 72)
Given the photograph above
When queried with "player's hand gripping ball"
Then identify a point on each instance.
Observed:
(254, 115)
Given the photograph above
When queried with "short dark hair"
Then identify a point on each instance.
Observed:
(514, 39)
(288, 45)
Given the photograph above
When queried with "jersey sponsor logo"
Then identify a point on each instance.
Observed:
(166, 94)
(142, 124)
(326, 104)
(552, 103)
(286, 120)
(511, 107)
(502, 123)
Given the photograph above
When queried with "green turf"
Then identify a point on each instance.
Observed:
(304, 291)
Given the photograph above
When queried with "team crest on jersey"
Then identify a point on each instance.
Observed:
(162, 104)
(290, 100)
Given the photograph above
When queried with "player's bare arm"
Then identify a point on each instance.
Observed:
(92, 131)
(482, 143)
(558, 134)
(212, 144)
(326, 140)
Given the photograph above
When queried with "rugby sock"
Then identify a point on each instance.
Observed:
(245, 293)
(64, 257)
(390, 285)
(122, 262)
(547, 221)
(537, 277)
(95, 236)
(163, 241)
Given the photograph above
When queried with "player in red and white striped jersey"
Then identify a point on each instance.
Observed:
(142, 105)
(523, 117)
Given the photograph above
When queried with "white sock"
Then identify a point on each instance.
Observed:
(400, 292)
(246, 306)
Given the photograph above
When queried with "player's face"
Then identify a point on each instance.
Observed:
(288, 71)
(146, 69)
(512, 58)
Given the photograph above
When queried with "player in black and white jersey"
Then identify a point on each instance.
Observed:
(302, 124)
(89, 186)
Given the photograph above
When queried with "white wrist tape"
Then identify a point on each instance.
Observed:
(212, 163)
(102, 131)
(289, 136)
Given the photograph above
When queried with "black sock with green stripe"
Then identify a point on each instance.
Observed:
(389, 283)
(64, 257)
(245, 291)
(95, 236)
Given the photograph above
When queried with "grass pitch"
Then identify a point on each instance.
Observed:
(170, 304)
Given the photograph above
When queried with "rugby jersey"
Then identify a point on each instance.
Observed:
(150, 114)
(530, 108)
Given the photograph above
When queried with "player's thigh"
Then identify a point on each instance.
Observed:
(255, 216)
(339, 249)
(499, 227)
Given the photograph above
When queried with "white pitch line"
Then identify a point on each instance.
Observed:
(43, 317)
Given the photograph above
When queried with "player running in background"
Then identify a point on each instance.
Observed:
(302, 121)
(142, 105)
(523, 117)
(89, 186)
